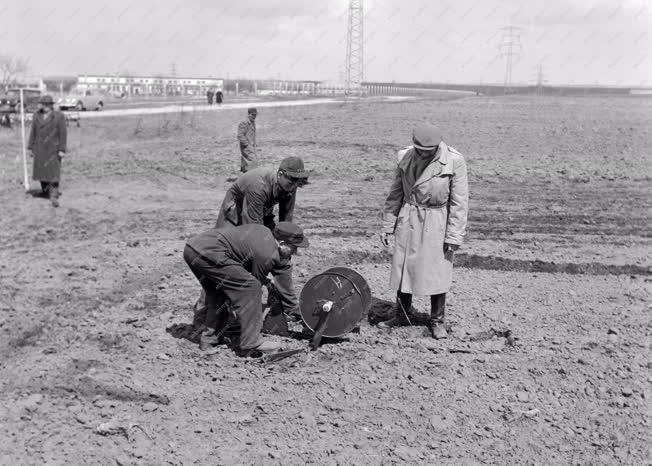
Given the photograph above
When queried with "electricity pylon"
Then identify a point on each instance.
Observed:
(510, 48)
(355, 45)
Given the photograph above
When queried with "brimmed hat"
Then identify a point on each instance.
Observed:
(293, 167)
(46, 99)
(426, 136)
(290, 233)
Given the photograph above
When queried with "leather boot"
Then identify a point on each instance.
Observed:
(401, 312)
(437, 312)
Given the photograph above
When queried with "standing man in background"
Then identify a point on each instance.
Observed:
(247, 140)
(47, 146)
(209, 96)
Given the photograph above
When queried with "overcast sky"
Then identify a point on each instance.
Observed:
(575, 41)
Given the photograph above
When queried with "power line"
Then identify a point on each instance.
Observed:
(354, 74)
(510, 48)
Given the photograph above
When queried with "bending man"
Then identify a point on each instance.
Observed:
(232, 264)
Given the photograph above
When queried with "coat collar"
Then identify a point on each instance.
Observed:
(439, 167)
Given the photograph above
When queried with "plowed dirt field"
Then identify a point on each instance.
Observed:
(96, 300)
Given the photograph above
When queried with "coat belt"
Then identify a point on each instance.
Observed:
(423, 206)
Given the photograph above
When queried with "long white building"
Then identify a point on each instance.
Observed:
(156, 85)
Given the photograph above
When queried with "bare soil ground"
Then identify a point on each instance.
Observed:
(95, 298)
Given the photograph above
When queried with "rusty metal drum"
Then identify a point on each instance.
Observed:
(334, 302)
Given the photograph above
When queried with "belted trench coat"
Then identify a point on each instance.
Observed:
(423, 216)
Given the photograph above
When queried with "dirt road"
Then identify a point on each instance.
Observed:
(96, 300)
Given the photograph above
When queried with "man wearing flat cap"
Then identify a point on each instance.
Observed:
(247, 139)
(233, 264)
(426, 211)
(251, 199)
(47, 146)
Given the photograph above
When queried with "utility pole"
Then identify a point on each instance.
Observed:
(540, 80)
(510, 48)
(354, 74)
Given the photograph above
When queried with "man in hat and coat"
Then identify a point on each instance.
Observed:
(251, 199)
(247, 140)
(233, 264)
(426, 211)
(47, 146)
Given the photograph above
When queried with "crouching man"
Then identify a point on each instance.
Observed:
(232, 265)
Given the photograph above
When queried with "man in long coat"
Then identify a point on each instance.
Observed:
(426, 211)
(47, 145)
(247, 140)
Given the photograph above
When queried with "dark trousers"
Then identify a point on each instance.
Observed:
(233, 283)
(437, 305)
(49, 186)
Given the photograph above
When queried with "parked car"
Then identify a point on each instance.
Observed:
(85, 101)
(10, 102)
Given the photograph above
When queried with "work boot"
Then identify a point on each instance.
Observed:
(266, 346)
(399, 320)
(401, 309)
(437, 313)
(438, 331)
(269, 346)
(208, 339)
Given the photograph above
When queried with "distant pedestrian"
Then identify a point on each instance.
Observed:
(426, 211)
(209, 96)
(219, 97)
(247, 139)
(47, 146)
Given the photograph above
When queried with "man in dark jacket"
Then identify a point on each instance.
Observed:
(247, 140)
(232, 264)
(251, 199)
(47, 146)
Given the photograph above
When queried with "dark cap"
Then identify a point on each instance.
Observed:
(426, 136)
(290, 233)
(293, 167)
(252, 110)
(46, 99)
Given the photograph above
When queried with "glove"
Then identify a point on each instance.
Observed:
(384, 238)
(389, 223)
(273, 299)
(451, 247)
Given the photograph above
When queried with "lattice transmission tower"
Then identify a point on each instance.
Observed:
(510, 49)
(355, 46)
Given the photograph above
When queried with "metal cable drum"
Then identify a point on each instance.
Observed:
(340, 292)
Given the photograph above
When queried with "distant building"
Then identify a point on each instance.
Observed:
(148, 85)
